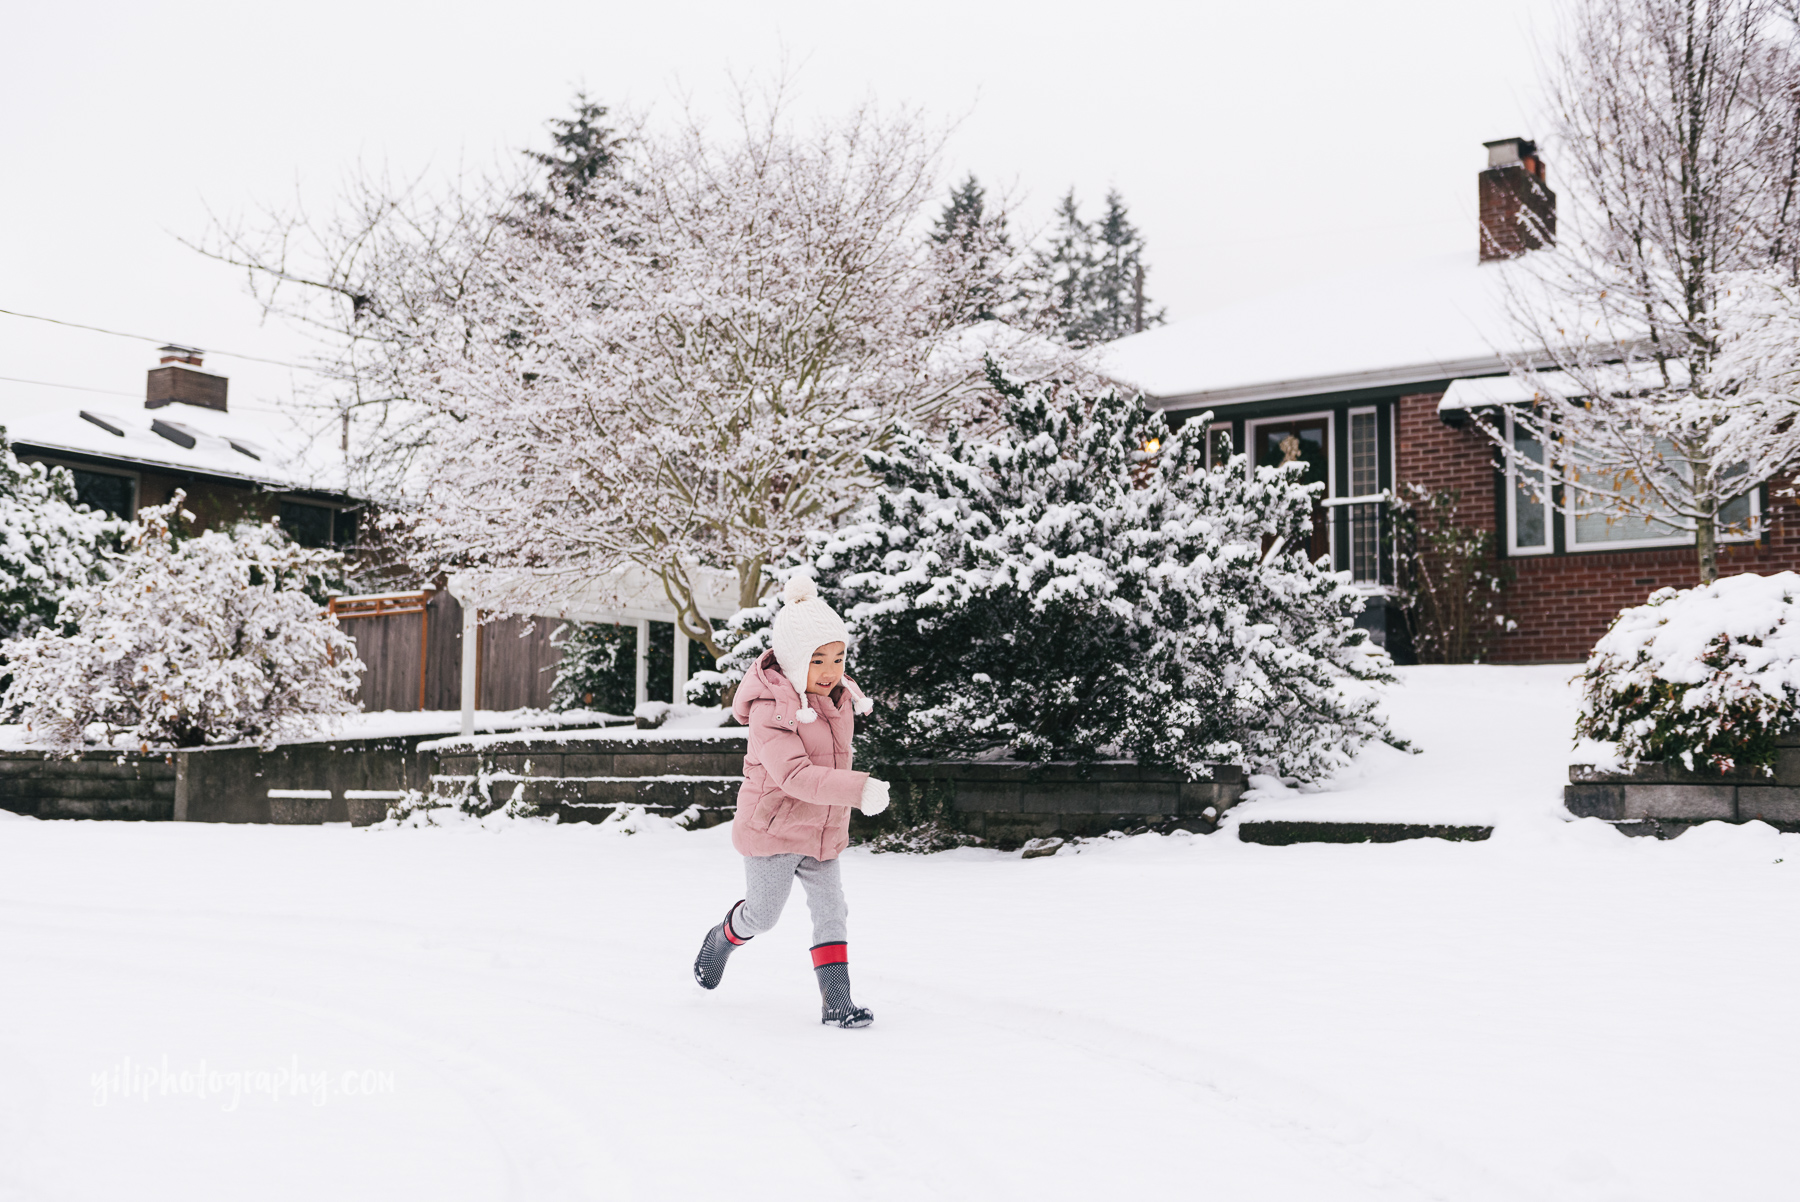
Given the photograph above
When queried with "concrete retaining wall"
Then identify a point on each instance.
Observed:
(231, 784)
(109, 784)
(1009, 803)
(1664, 796)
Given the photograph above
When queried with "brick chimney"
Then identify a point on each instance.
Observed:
(179, 379)
(1518, 210)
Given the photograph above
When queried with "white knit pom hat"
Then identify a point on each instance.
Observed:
(803, 625)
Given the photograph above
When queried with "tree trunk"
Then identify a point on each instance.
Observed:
(1706, 546)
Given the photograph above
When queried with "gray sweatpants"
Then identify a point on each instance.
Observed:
(769, 879)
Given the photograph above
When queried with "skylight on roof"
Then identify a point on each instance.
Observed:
(176, 433)
(106, 421)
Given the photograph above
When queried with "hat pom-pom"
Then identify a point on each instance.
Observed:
(800, 588)
(808, 715)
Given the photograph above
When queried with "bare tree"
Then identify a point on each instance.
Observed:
(1661, 396)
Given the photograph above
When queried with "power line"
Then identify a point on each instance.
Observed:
(73, 387)
(76, 325)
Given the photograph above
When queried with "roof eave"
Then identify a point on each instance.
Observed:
(1386, 377)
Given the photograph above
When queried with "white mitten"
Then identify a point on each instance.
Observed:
(875, 797)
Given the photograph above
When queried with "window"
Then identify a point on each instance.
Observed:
(1365, 481)
(105, 491)
(308, 525)
(1528, 496)
(1530, 513)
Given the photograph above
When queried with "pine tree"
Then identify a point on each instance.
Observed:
(1088, 281)
(1120, 306)
(966, 228)
(1082, 587)
(585, 149)
(1061, 272)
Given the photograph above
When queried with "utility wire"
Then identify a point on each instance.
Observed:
(76, 325)
(74, 387)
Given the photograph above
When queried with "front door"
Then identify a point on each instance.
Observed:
(1308, 441)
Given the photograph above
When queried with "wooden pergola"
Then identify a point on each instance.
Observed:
(626, 594)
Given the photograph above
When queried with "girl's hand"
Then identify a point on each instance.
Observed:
(874, 797)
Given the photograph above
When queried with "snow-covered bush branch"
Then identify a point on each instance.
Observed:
(193, 641)
(1708, 676)
(49, 545)
(1088, 589)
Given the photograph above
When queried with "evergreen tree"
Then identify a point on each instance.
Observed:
(1120, 306)
(585, 148)
(1082, 587)
(1088, 280)
(1060, 275)
(967, 229)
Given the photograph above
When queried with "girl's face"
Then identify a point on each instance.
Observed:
(826, 669)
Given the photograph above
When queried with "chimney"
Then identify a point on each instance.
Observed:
(179, 379)
(1518, 211)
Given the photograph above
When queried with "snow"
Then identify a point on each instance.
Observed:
(1559, 1014)
(382, 724)
(1424, 319)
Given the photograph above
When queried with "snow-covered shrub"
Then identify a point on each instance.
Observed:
(598, 667)
(1084, 588)
(1455, 586)
(193, 641)
(1708, 676)
(49, 544)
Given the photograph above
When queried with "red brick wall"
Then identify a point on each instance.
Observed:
(1564, 603)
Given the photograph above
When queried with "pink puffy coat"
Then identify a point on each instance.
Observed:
(798, 788)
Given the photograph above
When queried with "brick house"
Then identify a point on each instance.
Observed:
(1370, 379)
(233, 465)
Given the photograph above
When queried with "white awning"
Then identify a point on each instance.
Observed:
(1485, 391)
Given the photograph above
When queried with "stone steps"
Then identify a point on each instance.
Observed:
(1282, 833)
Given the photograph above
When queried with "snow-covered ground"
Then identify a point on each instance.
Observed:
(1559, 1013)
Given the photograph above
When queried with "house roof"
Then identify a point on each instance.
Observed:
(254, 447)
(1427, 319)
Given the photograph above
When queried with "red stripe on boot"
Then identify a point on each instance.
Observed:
(729, 933)
(830, 953)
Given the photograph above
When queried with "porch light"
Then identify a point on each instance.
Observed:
(1152, 445)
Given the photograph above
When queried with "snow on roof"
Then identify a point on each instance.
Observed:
(1427, 319)
(261, 448)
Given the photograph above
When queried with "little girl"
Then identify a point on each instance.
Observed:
(793, 810)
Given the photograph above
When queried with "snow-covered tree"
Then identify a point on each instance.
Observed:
(1667, 306)
(989, 288)
(689, 366)
(1087, 279)
(49, 543)
(193, 641)
(1087, 588)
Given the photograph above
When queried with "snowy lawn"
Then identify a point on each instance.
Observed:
(1558, 1013)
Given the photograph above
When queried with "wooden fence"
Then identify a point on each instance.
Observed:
(411, 648)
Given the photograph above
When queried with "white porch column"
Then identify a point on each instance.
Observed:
(643, 660)
(471, 658)
(679, 692)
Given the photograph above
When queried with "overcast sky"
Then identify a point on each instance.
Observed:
(1257, 144)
